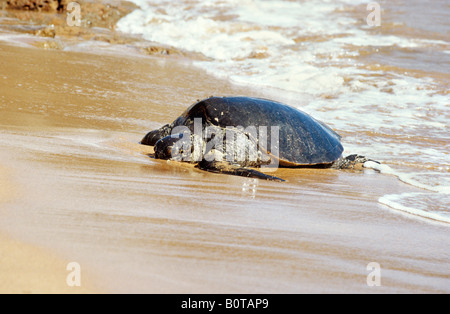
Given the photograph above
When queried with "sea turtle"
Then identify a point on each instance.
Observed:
(234, 134)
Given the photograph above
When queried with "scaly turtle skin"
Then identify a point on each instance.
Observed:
(301, 140)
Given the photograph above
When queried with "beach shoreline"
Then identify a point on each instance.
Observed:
(83, 190)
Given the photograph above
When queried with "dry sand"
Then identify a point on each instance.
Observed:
(85, 191)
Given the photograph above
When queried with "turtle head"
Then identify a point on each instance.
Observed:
(164, 148)
(154, 136)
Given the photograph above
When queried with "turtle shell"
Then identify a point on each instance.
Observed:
(303, 140)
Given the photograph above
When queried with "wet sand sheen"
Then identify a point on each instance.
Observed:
(29, 269)
(70, 122)
(25, 268)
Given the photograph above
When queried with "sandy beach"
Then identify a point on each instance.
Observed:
(28, 269)
(77, 187)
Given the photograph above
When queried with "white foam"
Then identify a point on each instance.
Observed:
(417, 206)
(395, 201)
(412, 178)
(269, 29)
(21, 40)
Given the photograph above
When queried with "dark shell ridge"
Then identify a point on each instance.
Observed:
(303, 140)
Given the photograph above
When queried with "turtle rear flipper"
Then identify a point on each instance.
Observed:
(353, 162)
(227, 168)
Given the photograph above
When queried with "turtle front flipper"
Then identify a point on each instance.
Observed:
(227, 168)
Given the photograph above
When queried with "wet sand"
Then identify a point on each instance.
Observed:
(87, 192)
(26, 268)
(29, 269)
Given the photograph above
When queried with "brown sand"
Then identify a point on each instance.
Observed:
(29, 269)
(86, 191)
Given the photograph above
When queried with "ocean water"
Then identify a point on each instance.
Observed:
(384, 88)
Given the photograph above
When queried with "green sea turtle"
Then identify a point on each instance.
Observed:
(234, 134)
